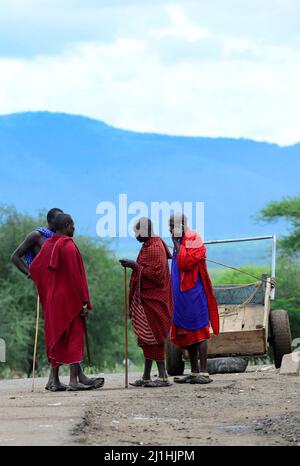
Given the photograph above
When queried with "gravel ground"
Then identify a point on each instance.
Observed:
(259, 407)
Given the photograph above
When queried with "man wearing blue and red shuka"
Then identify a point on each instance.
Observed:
(195, 305)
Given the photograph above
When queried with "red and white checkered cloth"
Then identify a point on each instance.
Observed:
(155, 290)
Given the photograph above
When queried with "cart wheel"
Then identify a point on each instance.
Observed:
(281, 335)
(175, 362)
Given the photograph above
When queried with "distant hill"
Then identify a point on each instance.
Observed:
(50, 159)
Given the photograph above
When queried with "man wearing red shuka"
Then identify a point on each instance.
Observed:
(151, 302)
(59, 276)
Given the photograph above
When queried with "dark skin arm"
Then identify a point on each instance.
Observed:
(176, 242)
(32, 242)
(85, 311)
(129, 264)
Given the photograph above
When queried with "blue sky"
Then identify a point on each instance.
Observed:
(194, 67)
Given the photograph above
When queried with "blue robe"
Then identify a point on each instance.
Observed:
(190, 307)
(30, 255)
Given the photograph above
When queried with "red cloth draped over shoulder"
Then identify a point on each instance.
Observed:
(191, 262)
(156, 289)
(59, 275)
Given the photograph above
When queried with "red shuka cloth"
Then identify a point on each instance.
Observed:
(184, 338)
(154, 352)
(191, 262)
(156, 290)
(59, 276)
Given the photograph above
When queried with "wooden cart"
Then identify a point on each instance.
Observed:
(247, 325)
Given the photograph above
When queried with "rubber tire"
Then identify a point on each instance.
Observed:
(229, 365)
(175, 362)
(281, 335)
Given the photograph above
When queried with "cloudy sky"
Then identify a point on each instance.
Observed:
(191, 67)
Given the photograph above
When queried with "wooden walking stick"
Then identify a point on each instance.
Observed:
(35, 340)
(125, 328)
(87, 341)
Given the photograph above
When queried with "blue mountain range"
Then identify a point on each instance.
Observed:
(74, 162)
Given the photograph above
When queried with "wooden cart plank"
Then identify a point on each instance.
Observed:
(267, 309)
(250, 342)
(250, 317)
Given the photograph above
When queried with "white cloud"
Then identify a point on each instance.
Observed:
(178, 75)
(180, 27)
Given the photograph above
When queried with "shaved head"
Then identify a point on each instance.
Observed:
(51, 215)
(143, 229)
(64, 224)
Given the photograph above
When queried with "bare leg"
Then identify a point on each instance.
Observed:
(50, 379)
(73, 374)
(203, 356)
(203, 377)
(193, 355)
(162, 373)
(55, 376)
(97, 382)
(147, 369)
(197, 376)
(81, 376)
(54, 384)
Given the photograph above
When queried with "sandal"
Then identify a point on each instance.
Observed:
(158, 383)
(201, 380)
(78, 386)
(95, 382)
(139, 383)
(98, 383)
(56, 388)
(186, 379)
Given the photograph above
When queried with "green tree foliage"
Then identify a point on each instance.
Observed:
(288, 296)
(18, 302)
(227, 276)
(287, 209)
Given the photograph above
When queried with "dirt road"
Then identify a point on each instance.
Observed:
(259, 407)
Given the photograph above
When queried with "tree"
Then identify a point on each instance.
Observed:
(288, 268)
(287, 209)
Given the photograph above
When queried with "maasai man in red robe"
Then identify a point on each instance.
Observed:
(195, 306)
(150, 300)
(59, 275)
(23, 256)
